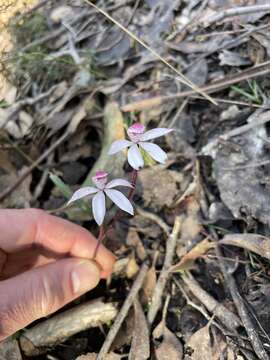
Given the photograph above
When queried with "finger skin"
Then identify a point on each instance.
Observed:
(41, 291)
(31, 227)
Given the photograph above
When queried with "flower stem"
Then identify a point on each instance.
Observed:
(99, 240)
(133, 181)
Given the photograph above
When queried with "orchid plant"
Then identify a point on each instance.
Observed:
(138, 140)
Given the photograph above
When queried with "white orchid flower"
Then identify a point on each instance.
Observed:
(139, 139)
(104, 188)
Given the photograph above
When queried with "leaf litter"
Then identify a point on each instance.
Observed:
(72, 82)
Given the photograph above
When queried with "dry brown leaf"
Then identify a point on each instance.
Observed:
(133, 239)
(203, 347)
(149, 285)
(191, 226)
(170, 348)
(188, 259)
(253, 242)
(17, 129)
(132, 268)
(140, 345)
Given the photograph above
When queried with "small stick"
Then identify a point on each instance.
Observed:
(238, 11)
(260, 120)
(58, 328)
(155, 218)
(227, 317)
(241, 309)
(123, 312)
(165, 273)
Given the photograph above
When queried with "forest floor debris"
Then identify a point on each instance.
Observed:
(192, 279)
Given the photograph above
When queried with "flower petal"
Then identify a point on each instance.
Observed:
(118, 182)
(154, 133)
(85, 191)
(120, 200)
(99, 207)
(154, 151)
(118, 145)
(134, 157)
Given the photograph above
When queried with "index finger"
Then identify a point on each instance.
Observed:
(28, 227)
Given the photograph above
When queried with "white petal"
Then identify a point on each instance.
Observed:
(85, 191)
(154, 133)
(118, 145)
(154, 151)
(99, 207)
(118, 182)
(134, 157)
(120, 200)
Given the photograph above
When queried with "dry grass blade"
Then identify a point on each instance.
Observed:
(258, 70)
(183, 78)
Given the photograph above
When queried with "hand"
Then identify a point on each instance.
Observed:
(45, 262)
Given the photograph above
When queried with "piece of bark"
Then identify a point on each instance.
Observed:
(57, 329)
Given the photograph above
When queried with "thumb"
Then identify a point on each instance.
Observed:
(41, 291)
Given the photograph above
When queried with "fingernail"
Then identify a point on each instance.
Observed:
(84, 277)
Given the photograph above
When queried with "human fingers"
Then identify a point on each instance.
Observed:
(32, 227)
(41, 291)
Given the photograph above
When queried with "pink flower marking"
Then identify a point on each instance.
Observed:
(104, 188)
(138, 139)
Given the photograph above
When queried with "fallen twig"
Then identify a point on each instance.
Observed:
(123, 312)
(237, 11)
(259, 121)
(241, 309)
(14, 109)
(227, 317)
(154, 218)
(165, 273)
(213, 87)
(38, 339)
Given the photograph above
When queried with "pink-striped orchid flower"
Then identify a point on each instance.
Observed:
(139, 139)
(104, 188)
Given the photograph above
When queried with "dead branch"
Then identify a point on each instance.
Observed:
(165, 273)
(237, 11)
(57, 329)
(123, 312)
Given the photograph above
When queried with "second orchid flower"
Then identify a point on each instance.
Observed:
(139, 139)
